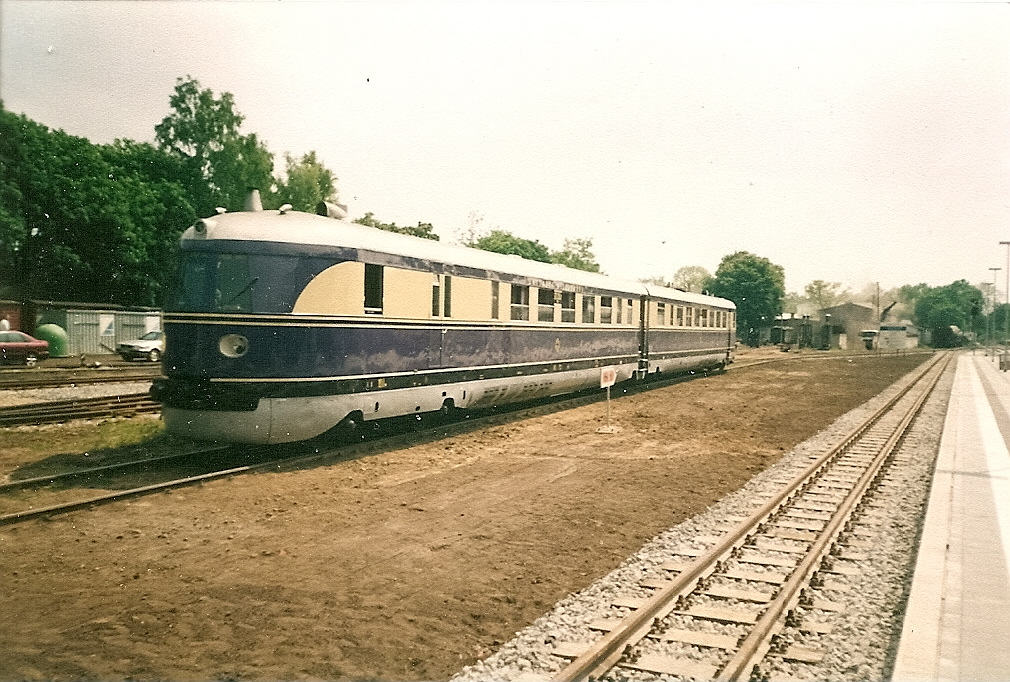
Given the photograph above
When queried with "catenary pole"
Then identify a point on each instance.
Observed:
(988, 327)
(1006, 318)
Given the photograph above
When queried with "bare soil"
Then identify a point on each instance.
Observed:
(403, 565)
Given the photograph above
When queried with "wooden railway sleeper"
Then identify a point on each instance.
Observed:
(603, 655)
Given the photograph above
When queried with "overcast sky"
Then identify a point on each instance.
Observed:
(851, 142)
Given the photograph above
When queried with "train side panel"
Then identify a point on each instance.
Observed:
(274, 341)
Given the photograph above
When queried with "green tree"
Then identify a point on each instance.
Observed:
(692, 278)
(65, 218)
(221, 164)
(909, 294)
(957, 304)
(997, 322)
(15, 132)
(755, 285)
(822, 294)
(424, 230)
(159, 211)
(578, 254)
(306, 183)
(792, 302)
(84, 222)
(501, 241)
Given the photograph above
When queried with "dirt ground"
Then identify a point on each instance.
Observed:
(403, 565)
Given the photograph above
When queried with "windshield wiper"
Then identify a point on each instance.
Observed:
(242, 291)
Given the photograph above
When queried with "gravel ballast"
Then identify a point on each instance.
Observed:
(864, 637)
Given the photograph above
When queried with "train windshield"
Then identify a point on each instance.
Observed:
(241, 283)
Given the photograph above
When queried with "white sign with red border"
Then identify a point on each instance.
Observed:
(608, 376)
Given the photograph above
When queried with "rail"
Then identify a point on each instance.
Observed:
(13, 379)
(879, 433)
(80, 408)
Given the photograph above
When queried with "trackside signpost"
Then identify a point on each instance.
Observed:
(608, 377)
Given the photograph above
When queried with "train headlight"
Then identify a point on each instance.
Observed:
(233, 345)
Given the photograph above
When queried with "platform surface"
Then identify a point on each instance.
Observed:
(957, 625)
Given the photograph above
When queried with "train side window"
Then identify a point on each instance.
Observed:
(441, 295)
(606, 309)
(631, 311)
(588, 309)
(520, 302)
(373, 289)
(660, 314)
(545, 305)
(689, 315)
(702, 317)
(494, 300)
(568, 306)
(680, 316)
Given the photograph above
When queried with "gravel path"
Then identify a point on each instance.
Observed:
(864, 638)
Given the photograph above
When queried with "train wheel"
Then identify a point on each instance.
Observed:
(448, 410)
(351, 427)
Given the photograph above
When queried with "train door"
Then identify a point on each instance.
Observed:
(643, 337)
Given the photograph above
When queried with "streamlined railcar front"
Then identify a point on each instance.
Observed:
(236, 359)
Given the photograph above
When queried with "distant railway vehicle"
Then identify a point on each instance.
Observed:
(285, 325)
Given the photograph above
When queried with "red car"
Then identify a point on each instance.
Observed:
(20, 348)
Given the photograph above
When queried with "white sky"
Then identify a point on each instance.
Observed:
(850, 142)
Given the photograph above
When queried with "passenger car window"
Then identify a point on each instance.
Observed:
(568, 306)
(373, 289)
(545, 305)
(520, 302)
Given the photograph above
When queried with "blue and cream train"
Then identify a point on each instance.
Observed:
(285, 324)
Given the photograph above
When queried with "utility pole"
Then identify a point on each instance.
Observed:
(1006, 321)
(988, 326)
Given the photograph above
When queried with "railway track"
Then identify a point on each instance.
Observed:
(14, 379)
(395, 433)
(257, 459)
(78, 408)
(61, 484)
(730, 607)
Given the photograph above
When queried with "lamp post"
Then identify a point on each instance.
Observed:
(1006, 321)
(988, 326)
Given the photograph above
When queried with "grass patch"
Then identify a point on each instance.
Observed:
(106, 441)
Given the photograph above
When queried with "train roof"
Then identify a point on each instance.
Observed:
(298, 228)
